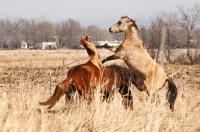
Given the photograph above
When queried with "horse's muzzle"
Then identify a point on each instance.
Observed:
(110, 30)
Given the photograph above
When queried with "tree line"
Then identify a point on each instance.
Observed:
(34, 31)
(161, 33)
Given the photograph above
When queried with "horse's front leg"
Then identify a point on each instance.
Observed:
(112, 57)
(127, 96)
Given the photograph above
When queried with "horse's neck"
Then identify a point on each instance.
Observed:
(94, 57)
(132, 36)
(95, 60)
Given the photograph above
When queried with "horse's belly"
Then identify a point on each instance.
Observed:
(139, 67)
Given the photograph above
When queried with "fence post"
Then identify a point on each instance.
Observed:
(50, 81)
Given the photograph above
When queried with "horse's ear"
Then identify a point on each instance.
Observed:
(81, 41)
(124, 16)
(87, 38)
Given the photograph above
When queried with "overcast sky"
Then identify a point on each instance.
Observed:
(102, 13)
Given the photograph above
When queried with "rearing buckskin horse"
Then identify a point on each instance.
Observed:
(135, 55)
(85, 76)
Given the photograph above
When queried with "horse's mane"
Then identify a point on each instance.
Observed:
(125, 73)
(134, 25)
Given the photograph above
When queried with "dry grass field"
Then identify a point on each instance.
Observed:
(24, 81)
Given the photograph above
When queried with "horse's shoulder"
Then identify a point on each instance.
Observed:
(79, 69)
(89, 67)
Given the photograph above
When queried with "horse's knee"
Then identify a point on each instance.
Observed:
(128, 103)
(89, 100)
(141, 87)
(106, 96)
(123, 90)
(67, 97)
(86, 96)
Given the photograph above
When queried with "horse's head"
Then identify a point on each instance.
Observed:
(86, 43)
(84, 40)
(138, 82)
(123, 25)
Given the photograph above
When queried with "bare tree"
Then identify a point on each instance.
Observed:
(69, 32)
(7, 31)
(143, 25)
(96, 33)
(10, 33)
(2, 33)
(169, 36)
(59, 34)
(161, 25)
(154, 35)
(28, 29)
(197, 44)
(188, 20)
(73, 33)
(17, 34)
(45, 30)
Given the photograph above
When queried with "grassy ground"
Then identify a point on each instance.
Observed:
(24, 80)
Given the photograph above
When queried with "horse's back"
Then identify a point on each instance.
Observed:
(115, 75)
(86, 68)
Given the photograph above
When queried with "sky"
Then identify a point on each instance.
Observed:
(102, 13)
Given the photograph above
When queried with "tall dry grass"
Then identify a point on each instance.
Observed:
(20, 110)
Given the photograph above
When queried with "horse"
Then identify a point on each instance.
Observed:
(115, 78)
(121, 78)
(85, 76)
(136, 57)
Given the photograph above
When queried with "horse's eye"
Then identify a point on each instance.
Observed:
(119, 22)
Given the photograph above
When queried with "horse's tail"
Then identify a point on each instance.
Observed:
(171, 93)
(59, 91)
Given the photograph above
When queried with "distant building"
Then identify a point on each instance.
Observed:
(24, 45)
(109, 43)
(49, 45)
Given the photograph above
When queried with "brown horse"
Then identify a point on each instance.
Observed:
(115, 78)
(120, 78)
(85, 76)
(135, 55)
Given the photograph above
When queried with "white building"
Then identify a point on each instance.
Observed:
(109, 43)
(49, 45)
(24, 45)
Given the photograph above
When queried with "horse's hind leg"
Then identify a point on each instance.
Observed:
(152, 90)
(70, 93)
(105, 96)
(128, 103)
(127, 97)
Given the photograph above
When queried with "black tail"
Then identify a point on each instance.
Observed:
(171, 93)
